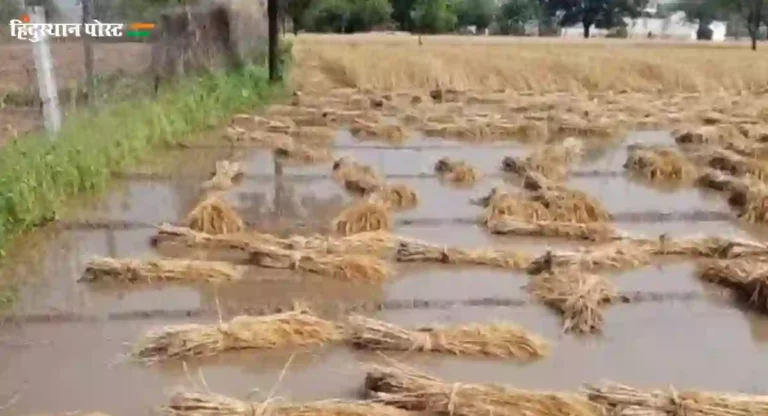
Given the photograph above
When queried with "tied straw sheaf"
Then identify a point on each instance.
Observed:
(301, 327)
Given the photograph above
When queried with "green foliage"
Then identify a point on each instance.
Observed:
(296, 10)
(604, 14)
(401, 13)
(347, 16)
(479, 13)
(514, 14)
(37, 175)
(433, 16)
(10, 9)
(328, 16)
(368, 14)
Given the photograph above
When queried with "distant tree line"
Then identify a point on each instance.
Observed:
(508, 16)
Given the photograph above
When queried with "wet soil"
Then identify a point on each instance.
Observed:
(59, 365)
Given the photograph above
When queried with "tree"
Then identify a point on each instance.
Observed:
(295, 10)
(327, 16)
(514, 14)
(478, 13)
(401, 13)
(703, 12)
(603, 14)
(433, 16)
(346, 16)
(367, 14)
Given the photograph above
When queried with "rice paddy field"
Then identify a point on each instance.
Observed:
(549, 216)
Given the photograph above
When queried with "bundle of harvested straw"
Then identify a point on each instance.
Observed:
(735, 164)
(255, 123)
(345, 169)
(579, 296)
(361, 217)
(551, 161)
(656, 164)
(456, 171)
(295, 328)
(262, 138)
(624, 400)
(594, 231)
(571, 205)
(500, 204)
(185, 403)
(375, 243)
(755, 209)
(747, 278)
(213, 215)
(413, 251)
(616, 255)
(411, 389)
(398, 196)
(354, 268)
(389, 132)
(134, 270)
(301, 154)
(362, 186)
(710, 247)
(224, 176)
(499, 340)
(316, 135)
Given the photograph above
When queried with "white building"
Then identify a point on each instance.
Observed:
(672, 27)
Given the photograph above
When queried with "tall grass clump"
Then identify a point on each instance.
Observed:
(37, 174)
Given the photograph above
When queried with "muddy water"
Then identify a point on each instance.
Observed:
(65, 366)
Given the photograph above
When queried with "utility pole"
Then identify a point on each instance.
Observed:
(46, 83)
(274, 71)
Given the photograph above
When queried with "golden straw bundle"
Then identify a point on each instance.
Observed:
(225, 175)
(571, 205)
(579, 296)
(345, 169)
(501, 204)
(213, 215)
(711, 247)
(413, 251)
(254, 123)
(747, 278)
(551, 161)
(616, 255)
(595, 231)
(493, 340)
(262, 138)
(134, 270)
(302, 154)
(354, 268)
(413, 390)
(399, 196)
(392, 133)
(289, 329)
(375, 242)
(456, 171)
(735, 164)
(209, 404)
(755, 209)
(317, 135)
(618, 399)
(361, 217)
(657, 164)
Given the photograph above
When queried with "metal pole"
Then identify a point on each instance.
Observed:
(46, 83)
(88, 53)
(274, 73)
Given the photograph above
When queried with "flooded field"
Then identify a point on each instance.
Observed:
(72, 364)
(63, 345)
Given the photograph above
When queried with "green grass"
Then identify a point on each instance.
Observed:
(38, 175)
